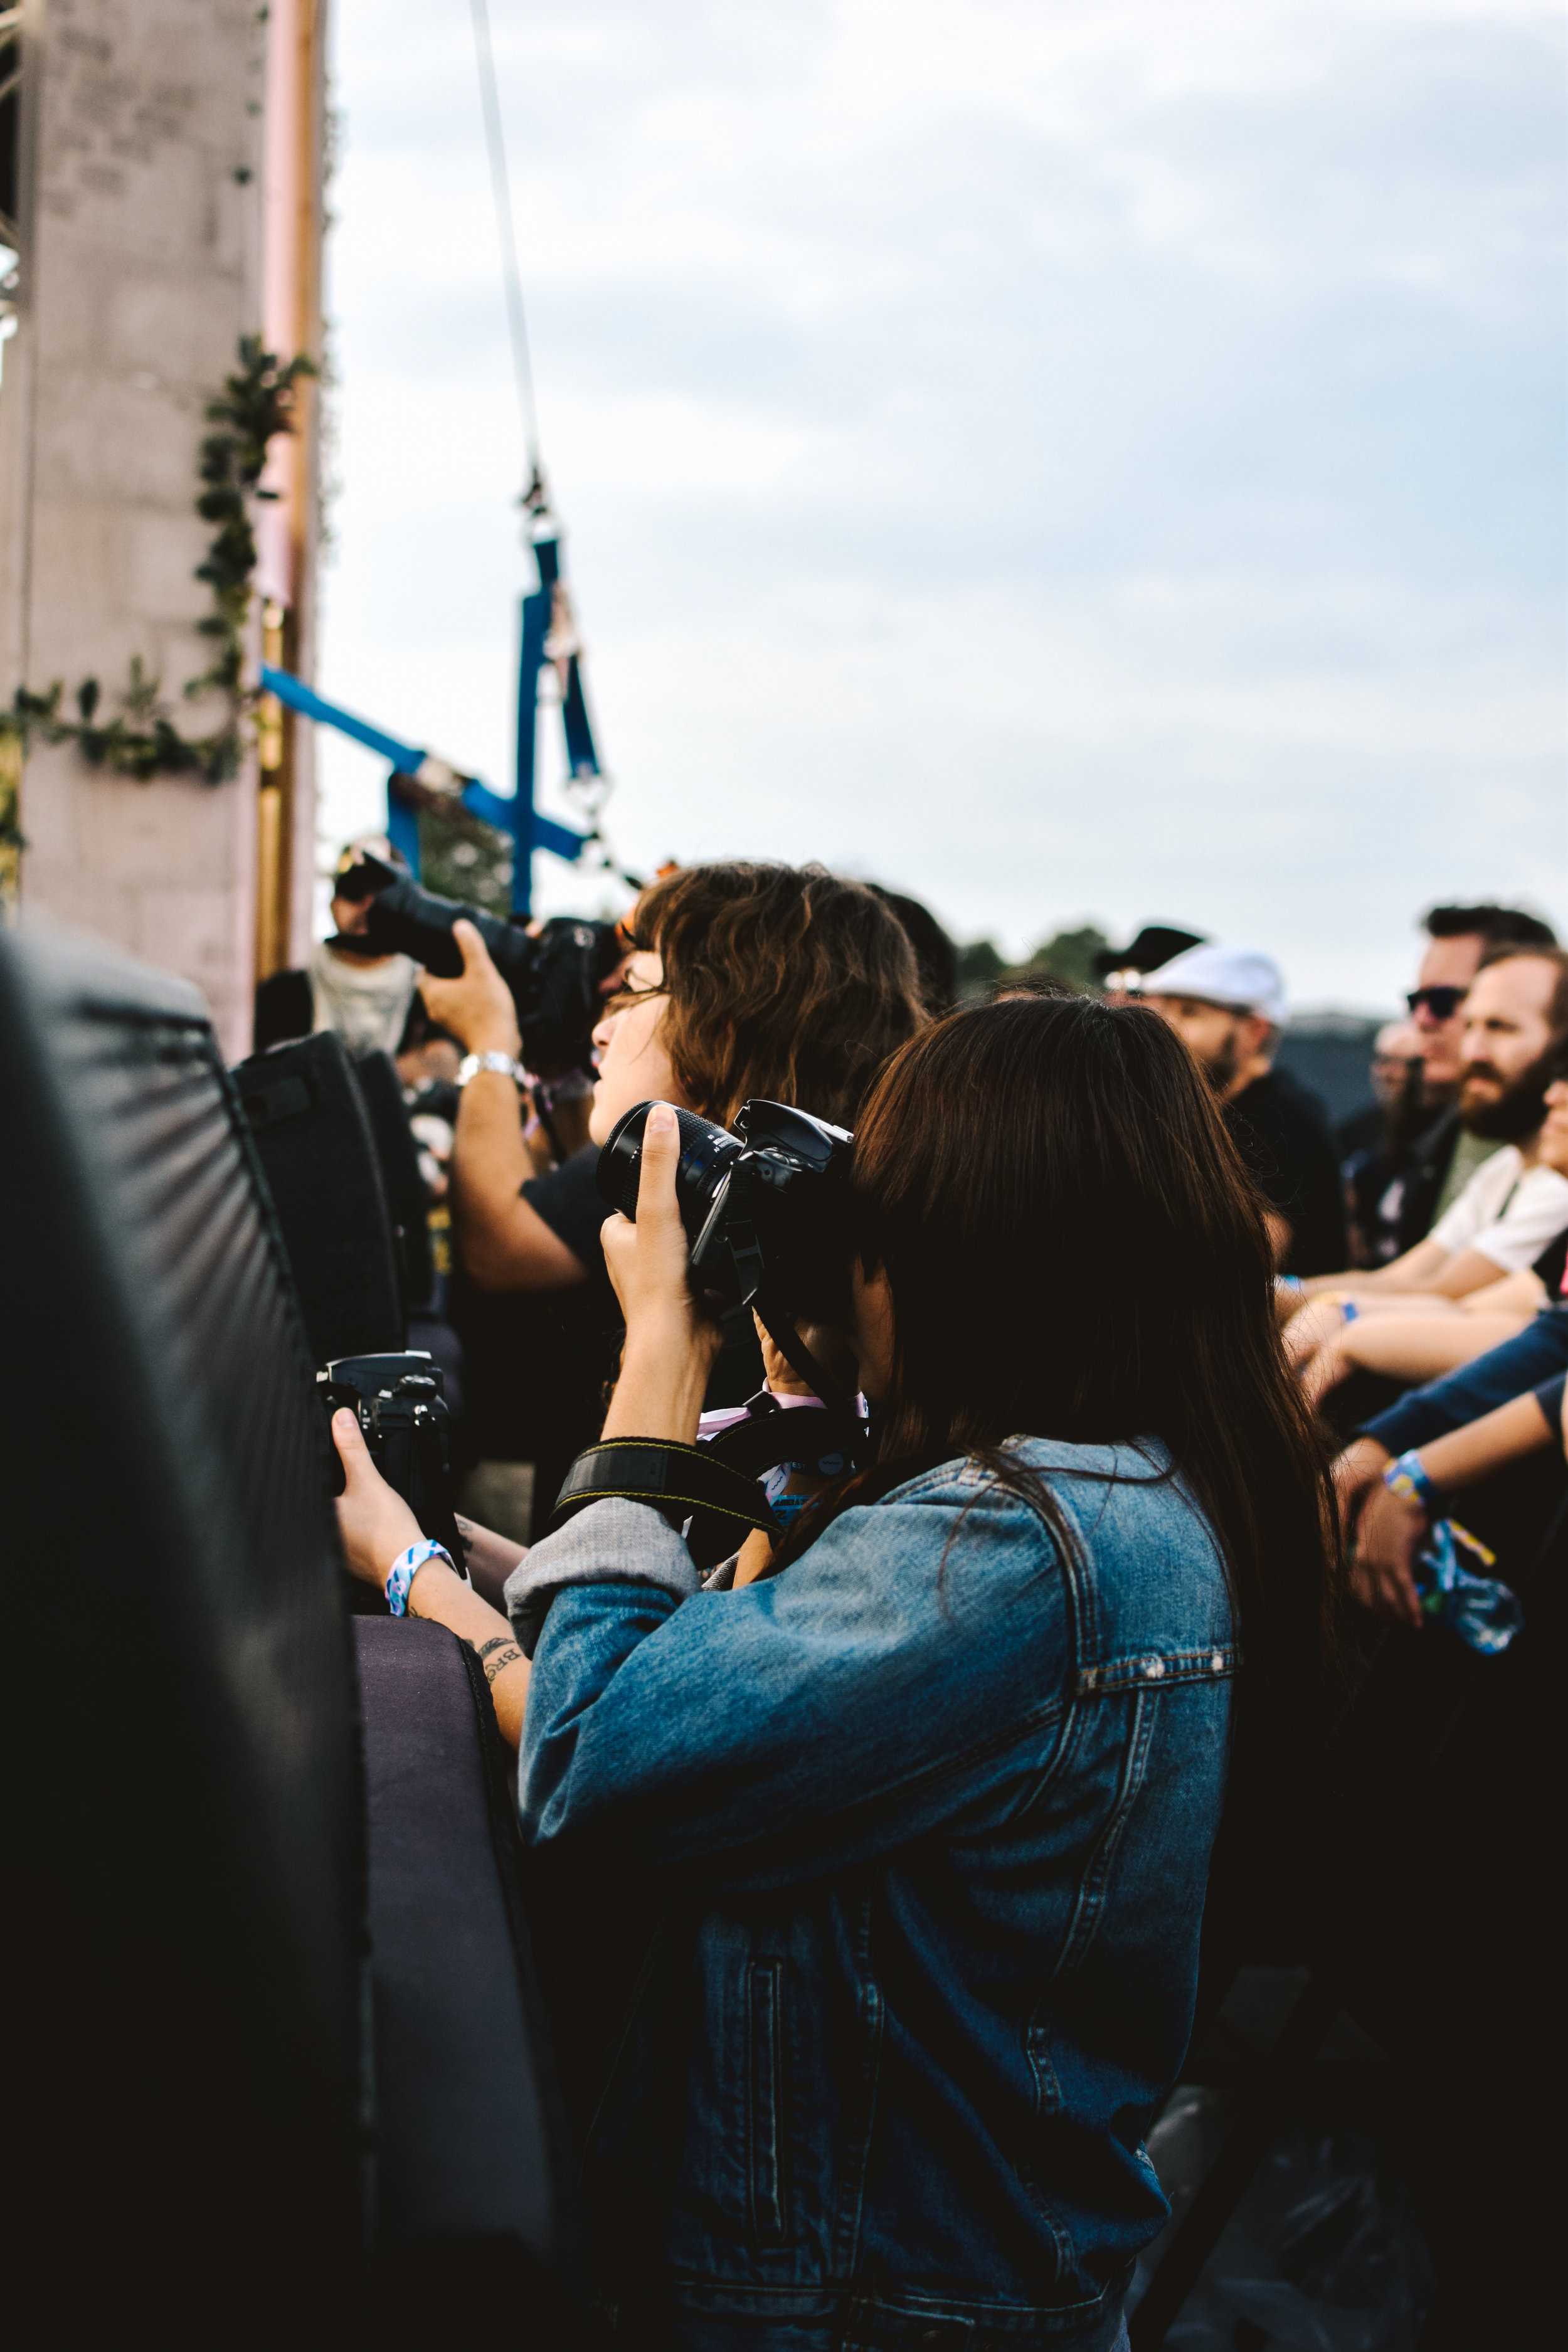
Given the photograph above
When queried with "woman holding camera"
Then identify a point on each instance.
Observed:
(742, 980)
(931, 1802)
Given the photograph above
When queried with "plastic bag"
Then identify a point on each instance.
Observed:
(1322, 2253)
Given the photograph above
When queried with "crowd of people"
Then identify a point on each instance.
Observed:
(936, 1766)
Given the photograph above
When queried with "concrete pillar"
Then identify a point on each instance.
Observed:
(140, 218)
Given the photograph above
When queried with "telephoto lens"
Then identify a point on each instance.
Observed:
(554, 977)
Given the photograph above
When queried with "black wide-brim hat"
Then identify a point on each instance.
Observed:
(1155, 944)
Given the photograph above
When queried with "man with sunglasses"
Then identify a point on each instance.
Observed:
(1446, 1155)
(1514, 1023)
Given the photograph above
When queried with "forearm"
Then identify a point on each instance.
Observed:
(504, 1244)
(438, 1594)
(1467, 1456)
(1420, 1348)
(663, 1380)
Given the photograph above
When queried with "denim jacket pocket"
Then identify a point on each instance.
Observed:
(767, 2123)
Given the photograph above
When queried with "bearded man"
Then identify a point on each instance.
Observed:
(1515, 1019)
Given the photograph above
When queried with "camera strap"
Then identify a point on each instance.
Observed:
(677, 1480)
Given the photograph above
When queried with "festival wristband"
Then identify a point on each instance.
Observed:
(1408, 1478)
(406, 1567)
(1291, 1282)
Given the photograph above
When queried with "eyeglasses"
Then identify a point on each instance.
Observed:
(1442, 1003)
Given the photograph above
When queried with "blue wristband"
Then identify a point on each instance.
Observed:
(1408, 1478)
(1291, 1282)
(405, 1569)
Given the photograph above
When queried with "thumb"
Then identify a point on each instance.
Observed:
(348, 1439)
(470, 946)
(656, 1203)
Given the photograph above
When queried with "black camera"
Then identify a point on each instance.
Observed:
(554, 976)
(767, 1208)
(402, 1413)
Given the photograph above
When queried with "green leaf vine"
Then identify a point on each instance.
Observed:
(140, 738)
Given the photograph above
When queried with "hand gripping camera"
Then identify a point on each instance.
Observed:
(767, 1210)
(554, 977)
(402, 1413)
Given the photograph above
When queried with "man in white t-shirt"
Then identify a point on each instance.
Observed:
(1516, 1019)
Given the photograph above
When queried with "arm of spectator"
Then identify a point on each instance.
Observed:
(1417, 1270)
(1414, 1348)
(1466, 1271)
(1518, 1295)
(504, 1244)
(1393, 1528)
(376, 1524)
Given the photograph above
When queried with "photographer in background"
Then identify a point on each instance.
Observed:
(742, 980)
(348, 985)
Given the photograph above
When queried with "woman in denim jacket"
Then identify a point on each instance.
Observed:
(928, 1804)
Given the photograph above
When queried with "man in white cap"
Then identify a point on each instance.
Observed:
(1227, 1005)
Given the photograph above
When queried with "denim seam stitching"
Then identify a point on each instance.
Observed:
(871, 2008)
(1090, 1904)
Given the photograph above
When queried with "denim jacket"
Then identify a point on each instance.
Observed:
(932, 1811)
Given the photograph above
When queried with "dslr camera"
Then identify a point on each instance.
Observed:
(398, 1403)
(766, 1208)
(554, 976)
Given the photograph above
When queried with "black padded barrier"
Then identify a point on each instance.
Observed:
(305, 1106)
(185, 1914)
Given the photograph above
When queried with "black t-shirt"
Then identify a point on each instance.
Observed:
(572, 1205)
(1281, 1133)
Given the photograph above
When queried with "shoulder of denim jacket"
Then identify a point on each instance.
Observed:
(1154, 1669)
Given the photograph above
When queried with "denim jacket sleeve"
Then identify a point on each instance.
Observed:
(855, 1697)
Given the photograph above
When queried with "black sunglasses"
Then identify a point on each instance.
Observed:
(1442, 1003)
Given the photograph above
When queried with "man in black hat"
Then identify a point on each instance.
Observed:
(1120, 970)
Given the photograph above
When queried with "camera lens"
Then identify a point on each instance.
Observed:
(706, 1151)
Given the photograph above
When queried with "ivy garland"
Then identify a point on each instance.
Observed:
(142, 739)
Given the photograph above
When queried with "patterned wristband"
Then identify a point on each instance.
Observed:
(405, 1569)
(1408, 1478)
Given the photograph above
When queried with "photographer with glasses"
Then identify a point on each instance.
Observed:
(928, 1804)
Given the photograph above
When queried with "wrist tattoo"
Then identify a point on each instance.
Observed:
(508, 1656)
(500, 1643)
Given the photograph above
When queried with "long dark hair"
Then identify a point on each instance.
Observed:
(1075, 1250)
(785, 982)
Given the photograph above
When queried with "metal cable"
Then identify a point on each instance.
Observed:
(501, 188)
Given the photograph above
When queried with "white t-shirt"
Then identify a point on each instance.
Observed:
(1507, 1211)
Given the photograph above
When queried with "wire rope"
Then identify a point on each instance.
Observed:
(500, 189)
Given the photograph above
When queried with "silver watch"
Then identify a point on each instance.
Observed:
(472, 1064)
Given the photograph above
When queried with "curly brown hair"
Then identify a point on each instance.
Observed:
(785, 982)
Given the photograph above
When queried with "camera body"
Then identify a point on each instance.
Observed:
(555, 975)
(766, 1208)
(398, 1403)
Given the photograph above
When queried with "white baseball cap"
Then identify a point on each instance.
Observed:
(1242, 978)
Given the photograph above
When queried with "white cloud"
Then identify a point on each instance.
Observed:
(1093, 459)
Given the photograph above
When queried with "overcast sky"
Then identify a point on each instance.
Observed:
(1071, 459)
